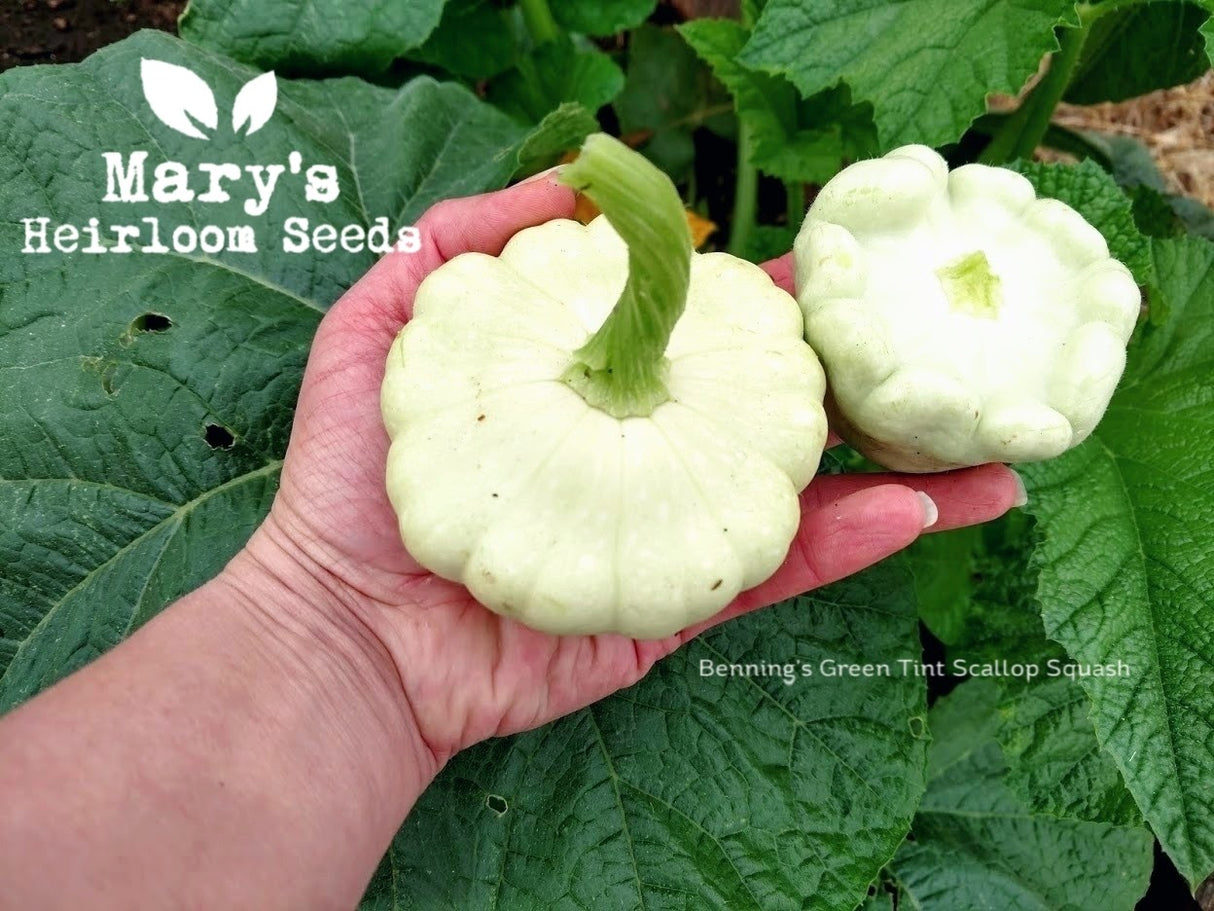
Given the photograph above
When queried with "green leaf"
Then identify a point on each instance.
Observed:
(1094, 194)
(601, 17)
(752, 9)
(666, 86)
(668, 93)
(943, 568)
(1195, 216)
(1000, 620)
(925, 65)
(1055, 764)
(1125, 572)
(560, 131)
(311, 37)
(692, 789)
(1157, 213)
(474, 39)
(795, 140)
(1138, 49)
(553, 74)
(1153, 214)
(137, 453)
(1130, 160)
(976, 845)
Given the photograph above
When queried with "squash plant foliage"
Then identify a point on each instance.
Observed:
(146, 399)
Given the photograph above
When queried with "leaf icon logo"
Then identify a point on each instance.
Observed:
(176, 95)
(255, 103)
(182, 101)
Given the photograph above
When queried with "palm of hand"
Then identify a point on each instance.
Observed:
(470, 674)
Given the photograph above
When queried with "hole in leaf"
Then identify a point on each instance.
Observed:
(497, 804)
(218, 437)
(918, 726)
(106, 370)
(151, 322)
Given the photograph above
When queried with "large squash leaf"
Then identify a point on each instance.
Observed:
(794, 139)
(976, 844)
(1113, 66)
(926, 65)
(312, 37)
(146, 398)
(1125, 568)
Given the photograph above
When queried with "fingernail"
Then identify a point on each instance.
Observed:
(1022, 495)
(930, 512)
(549, 173)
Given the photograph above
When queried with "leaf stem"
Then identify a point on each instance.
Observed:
(540, 24)
(1026, 127)
(622, 368)
(745, 197)
(794, 202)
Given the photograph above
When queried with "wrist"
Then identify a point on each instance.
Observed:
(315, 631)
(247, 745)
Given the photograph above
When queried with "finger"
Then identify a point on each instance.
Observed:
(781, 271)
(851, 521)
(966, 496)
(836, 539)
(483, 224)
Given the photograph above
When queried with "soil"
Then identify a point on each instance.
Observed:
(64, 31)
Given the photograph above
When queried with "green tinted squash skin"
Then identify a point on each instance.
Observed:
(961, 320)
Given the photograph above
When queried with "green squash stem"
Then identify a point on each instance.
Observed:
(971, 287)
(622, 368)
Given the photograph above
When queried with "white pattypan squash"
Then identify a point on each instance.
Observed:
(587, 474)
(961, 319)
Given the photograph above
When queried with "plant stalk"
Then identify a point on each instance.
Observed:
(540, 24)
(622, 368)
(745, 197)
(1026, 127)
(794, 202)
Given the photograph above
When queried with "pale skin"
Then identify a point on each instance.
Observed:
(258, 743)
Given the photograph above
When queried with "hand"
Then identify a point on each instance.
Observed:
(466, 673)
